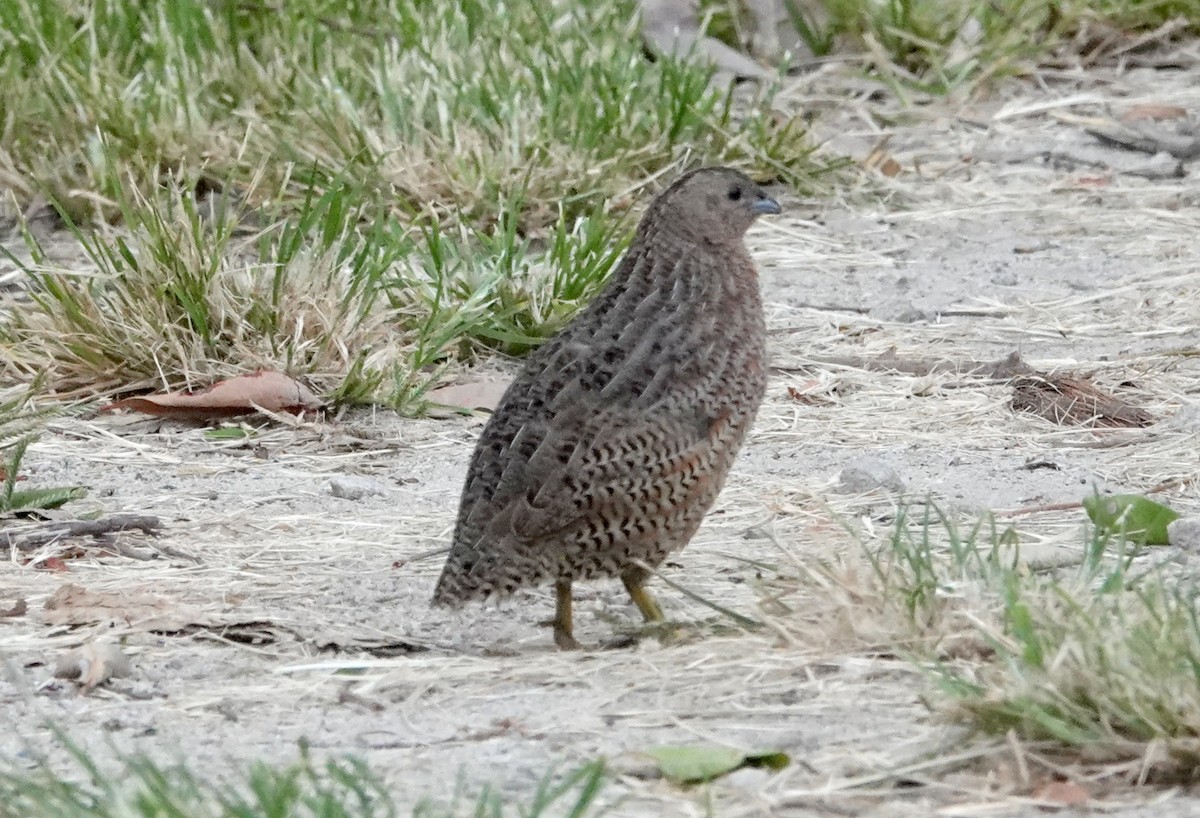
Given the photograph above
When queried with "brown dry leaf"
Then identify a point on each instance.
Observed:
(1069, 400)
(93, 664)
(1066, 793)
(809, 393)
(272, 391)
(51, 564)
(74, 605)
(471, 395)
(1155, 111)
(881, 160)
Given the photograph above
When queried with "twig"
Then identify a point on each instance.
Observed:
(54, 531)
(1017, 512)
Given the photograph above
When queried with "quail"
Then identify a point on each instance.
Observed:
(605, 453)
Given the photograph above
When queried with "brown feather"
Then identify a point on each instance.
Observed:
(617, 436)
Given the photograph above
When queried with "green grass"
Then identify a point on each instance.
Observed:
(339, 788)
(21, 422)
(443, 107)
(364, 306)
(938, 46)
(355, 193)
(1102, 658)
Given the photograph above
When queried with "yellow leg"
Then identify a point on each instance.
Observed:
(563, 620)
(642, 598)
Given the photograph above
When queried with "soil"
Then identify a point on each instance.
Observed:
(270, 612)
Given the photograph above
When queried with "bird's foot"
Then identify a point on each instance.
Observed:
(565, 640)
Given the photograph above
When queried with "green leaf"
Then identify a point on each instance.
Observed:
(229, 433)
(693, 765)
(1132, 516)
(25, 499)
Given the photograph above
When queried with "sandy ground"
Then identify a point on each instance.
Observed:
(271, 611)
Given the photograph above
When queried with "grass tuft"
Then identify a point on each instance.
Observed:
(1103, 658)
(937, 47)
(359, 194)
(337, 788)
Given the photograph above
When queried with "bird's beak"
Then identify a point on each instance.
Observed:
(765, 205)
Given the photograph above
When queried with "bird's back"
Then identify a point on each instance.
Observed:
(616, 437)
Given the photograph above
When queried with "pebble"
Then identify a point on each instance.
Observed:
(355, 487)
(1185, 533)
(867, 473)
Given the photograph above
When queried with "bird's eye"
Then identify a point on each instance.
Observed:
(735, 193)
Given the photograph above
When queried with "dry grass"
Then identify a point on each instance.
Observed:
(1076, 656)
(389, 187)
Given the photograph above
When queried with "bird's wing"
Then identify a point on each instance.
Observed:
(619, 465)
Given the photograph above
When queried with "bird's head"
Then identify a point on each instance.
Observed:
(718, 203)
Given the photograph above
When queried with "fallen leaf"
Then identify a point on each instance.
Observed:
(1066, 793)
(809, 393)
(1067, 399)
(1155, 111)
(271, 391)
(484, 395)
(52, 564)
(1137, 518)
(693, 765)
(382, 646)
(93, 664)
(74, 605)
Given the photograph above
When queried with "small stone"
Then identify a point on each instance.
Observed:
(867, 473)
(1185, 533)
(355, 487)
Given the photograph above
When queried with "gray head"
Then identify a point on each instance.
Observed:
(717, 203)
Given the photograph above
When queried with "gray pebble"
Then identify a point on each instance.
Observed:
(867, 473)
(1185, 533)
(355, 487)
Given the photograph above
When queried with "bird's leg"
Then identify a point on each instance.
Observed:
(635, 585)
(563, 620)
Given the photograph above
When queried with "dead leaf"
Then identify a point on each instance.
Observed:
(52, 564)
(1074, 401)
(471, 395)
(810, 393)
(74, 605)
(93, 664)
(1156, 111)
(1066, 793)
(382, 646)
(18, 609)
(271, 391)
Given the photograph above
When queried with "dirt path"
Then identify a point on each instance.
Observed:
(293, 614)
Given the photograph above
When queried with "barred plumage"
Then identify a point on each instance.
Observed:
(615, 439)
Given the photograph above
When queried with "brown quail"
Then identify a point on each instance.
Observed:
(613, 442)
